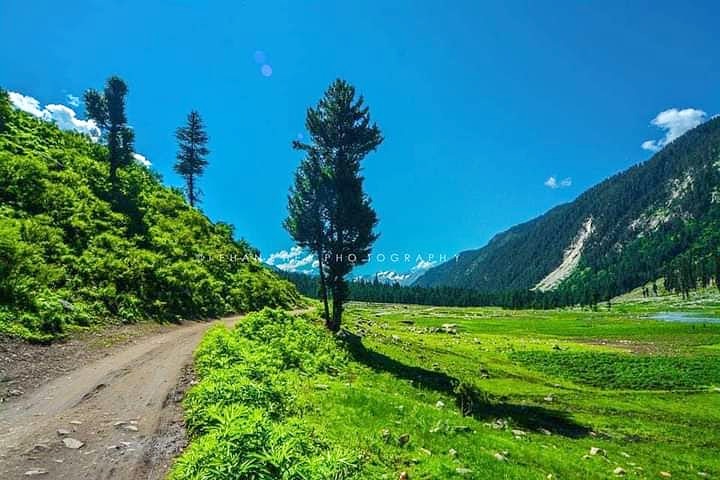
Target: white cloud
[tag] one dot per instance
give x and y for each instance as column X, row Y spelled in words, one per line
column 675, row 123
column 141, row 159
column 73, row 100
column 553, row 182
column 292, row 260
column 62, row 115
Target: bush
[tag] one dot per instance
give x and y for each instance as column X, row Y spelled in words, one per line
column 241, row 415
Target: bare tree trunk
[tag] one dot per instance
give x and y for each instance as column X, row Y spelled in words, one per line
column 323, row 286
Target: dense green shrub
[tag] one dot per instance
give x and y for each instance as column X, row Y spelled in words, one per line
column 74, row 249
column 242, row 416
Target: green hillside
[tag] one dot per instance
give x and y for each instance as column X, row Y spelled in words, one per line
column 77, row 250
column 658, row 218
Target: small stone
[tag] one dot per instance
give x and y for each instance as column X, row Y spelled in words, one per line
column 16, row 393
column 439, row 404
column 36, row 471
column 426, row 452
column 62, row 432
column 72, row 443
column 518, row 433
column 403, row 439
column 120, row 423
column 404, row 476
column 75, row 422
column 500, row 457
column 597, row 451
column 619, row 471
column 545, row 431
column 130, row 428
column 665, row 474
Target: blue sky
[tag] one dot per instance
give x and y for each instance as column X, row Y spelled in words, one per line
column 480, row 102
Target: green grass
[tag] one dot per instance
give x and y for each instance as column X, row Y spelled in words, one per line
column 622, row 371
column 511, row 395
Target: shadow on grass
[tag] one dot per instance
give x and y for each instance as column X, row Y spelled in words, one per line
column 471, row 401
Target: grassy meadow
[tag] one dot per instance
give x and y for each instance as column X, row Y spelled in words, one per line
column 434, row 392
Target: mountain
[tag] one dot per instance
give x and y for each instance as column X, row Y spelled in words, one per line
column 657, row 218
column 78, row 249
column 391, row 277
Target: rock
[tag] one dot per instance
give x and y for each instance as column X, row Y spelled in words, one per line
column 75, row 422
column 463, row 471
column 518, row 433
column 16, row 393
column 450, row 328
column 439, row 404
column 130, row 428
column 544, row 431
column 404, row 476
column 36, row 471
column 619, row 471
column 665, row 474
column 452, row 452
column 72, row 443
column 597, row 451
column 62, row 432
column 37, row 448
column 403, row 439
column 426, row 452
column 120, row 423
column 500, row 457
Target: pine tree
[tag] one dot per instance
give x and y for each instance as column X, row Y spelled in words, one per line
column 191, row 162
column 328, row 210
column 107, row 109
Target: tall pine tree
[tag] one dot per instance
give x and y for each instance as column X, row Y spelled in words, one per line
column 328, row 210
column 191, row 162
column 107, row 109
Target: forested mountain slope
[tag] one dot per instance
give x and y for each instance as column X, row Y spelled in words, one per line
column 76, row 248
column 658, row 218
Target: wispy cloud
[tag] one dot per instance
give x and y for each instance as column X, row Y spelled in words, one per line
column 675, row 123
column 293, row 260
column 554, row 183
column 62, row 115
column 73, row 100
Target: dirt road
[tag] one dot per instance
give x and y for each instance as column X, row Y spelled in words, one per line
column 123, row 408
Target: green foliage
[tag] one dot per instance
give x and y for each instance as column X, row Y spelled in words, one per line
column 5, row 109
column 242, row 415
column 74, row 250
column 107, row 109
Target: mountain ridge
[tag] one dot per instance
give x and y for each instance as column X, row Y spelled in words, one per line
column 651, row 202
